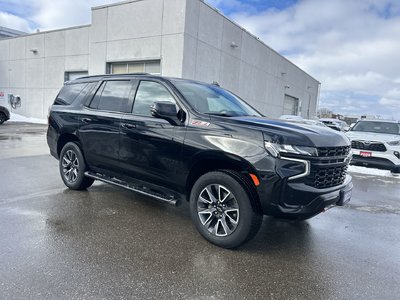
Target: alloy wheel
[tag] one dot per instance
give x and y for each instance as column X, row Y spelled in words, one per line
column 218, row 210
column 70, row 166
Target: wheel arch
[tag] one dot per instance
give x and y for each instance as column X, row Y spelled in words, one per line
column 208, row 162
column 64, row 139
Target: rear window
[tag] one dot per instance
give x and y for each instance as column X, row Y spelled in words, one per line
column 70, row 92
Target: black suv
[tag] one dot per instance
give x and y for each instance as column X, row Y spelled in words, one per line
column 178, row 140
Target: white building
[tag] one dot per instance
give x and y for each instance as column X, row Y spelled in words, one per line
column 179, row 38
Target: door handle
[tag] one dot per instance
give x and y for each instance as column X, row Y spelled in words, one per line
column 128, row 126
column 86, row 120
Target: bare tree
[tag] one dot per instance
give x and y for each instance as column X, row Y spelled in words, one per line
column 324, row 112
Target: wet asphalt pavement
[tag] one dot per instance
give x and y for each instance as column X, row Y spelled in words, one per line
column 108, row 243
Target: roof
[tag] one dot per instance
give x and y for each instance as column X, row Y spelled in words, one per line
column 120, row 76
column 6, row 32
column 134, row 75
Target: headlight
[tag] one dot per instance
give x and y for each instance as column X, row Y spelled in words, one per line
column 394, row 143
column 276, row 149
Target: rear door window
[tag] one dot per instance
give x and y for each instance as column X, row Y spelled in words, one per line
column 112, row 96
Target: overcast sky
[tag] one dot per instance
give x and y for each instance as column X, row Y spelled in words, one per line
column 351, row 47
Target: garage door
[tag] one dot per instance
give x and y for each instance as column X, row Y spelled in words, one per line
column 290, row 105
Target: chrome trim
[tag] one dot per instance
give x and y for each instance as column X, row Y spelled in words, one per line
column 306, row 164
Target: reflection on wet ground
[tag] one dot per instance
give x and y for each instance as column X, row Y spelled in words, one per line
column 110, row 243
column 12, row 135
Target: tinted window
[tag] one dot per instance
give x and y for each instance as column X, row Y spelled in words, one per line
column 148, row 93
column 112, row 96
column 96, row 99
column 69, row 93
column 86, row 90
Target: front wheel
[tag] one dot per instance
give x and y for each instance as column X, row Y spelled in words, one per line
column 72, row 167
column 221, row 210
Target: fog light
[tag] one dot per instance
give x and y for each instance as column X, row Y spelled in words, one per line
column 397, row 154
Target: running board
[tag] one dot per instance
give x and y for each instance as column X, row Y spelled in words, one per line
column 143, row 190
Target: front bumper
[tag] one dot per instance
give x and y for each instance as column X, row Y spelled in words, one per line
column 297, row 198
column 381, row 160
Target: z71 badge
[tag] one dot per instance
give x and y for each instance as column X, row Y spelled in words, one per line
column 200, row 123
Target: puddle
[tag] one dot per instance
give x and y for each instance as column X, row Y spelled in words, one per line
column 385, row 209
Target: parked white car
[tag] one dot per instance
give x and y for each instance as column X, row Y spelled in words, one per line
column 376, row 143
column 335, row 124
column 298, row 119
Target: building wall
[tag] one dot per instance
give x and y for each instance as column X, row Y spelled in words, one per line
column 37, row 75
column 191, row 39
column 127, row 31
column 250, row 68
column 138, row 30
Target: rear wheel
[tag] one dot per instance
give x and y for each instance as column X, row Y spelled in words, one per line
column 221, row 210
column 3, row 118
column 72, row 167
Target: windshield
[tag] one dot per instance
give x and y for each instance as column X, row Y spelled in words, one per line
column 213, row 100
column 377, row 127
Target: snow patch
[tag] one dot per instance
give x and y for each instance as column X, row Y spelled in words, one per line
column 18, row 118
column 371, row 171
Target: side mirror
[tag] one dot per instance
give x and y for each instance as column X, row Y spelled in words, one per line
column 167, row 111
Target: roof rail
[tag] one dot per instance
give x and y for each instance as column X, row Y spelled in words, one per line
column 114, row 75
column 137, row 73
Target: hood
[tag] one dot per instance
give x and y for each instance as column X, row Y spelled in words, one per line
column 371, row 136
column 293, row 133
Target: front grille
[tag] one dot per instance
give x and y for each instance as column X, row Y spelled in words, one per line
column 333, row 151
column 327, row 177
column 329, row 169
column 372, row 146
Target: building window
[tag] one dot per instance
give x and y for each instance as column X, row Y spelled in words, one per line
column 151, row 66
column 74, row 75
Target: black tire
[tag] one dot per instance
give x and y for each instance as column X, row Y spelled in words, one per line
column 241, row 226
column 3, row 118
column 396, row 171
column 72, row 167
